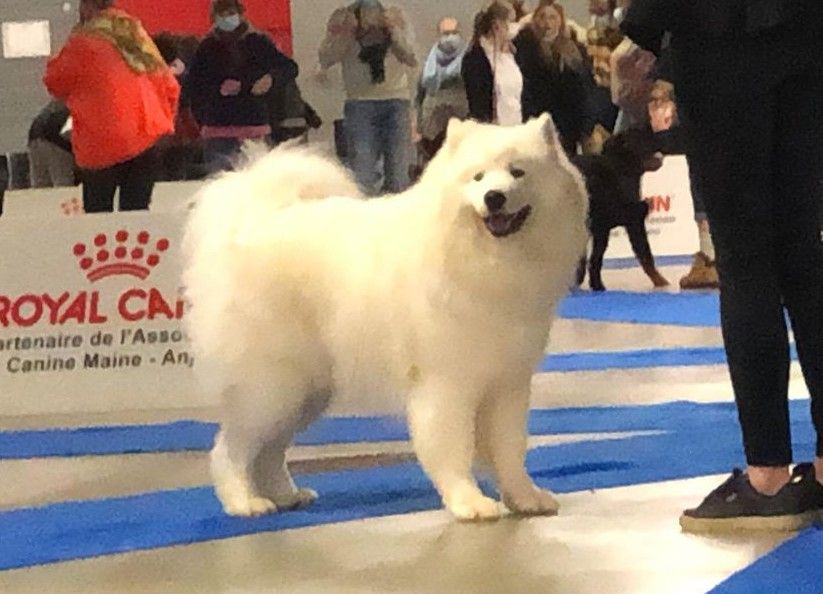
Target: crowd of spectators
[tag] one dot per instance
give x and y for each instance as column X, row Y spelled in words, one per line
column 176, row 107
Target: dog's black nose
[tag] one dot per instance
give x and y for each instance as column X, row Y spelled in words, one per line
column 495, row 200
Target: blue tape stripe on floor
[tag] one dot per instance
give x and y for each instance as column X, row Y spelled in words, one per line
column 198, row 436
column 625, row 263
column 638, row 359
column 698, row 309
column 793, row 567
column 86, row 529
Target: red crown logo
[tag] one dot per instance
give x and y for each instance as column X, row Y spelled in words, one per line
column 118, row 255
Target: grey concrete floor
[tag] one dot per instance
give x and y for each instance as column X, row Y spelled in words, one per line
column 622, row 540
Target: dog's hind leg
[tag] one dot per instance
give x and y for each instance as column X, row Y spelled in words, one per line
column 271, row 473
column 643, row 251
column 502, row 437
column 442, row 422
column 600, row 241
column 258, row 413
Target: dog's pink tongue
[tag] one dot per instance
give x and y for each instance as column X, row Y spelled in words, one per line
column 499, row 223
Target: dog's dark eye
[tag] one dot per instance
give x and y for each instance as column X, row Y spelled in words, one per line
column 479, row 176
column 517, row 173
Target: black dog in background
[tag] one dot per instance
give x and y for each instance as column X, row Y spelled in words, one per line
column 613, row 182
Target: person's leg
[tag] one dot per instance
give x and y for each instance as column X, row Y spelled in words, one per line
column 137, row 183
column 799, row 184
column 362, row 136
column 734, row 165
column 61, row 167
column 99, row 187
column 703, row 273
column 39, row 164
column 395, row 135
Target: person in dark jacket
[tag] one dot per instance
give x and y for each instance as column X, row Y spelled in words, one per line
column 556, row 79
column 749, row 80
column 51, row 163
column 179, row 152
column 229, row 82
column 494, row 83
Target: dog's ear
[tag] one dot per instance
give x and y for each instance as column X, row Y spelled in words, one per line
column 457, row 131
column 547, row 129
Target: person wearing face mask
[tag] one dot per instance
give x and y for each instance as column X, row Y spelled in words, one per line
column 373, row 45
column 122, row 98
column 442, row 93
column 556, row 79
column 229, row 80
column 494, row 83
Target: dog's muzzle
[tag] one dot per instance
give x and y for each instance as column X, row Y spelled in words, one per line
column 502, row 224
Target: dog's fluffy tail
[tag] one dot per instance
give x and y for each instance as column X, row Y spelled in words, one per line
column 237, row 207
column 236, row 203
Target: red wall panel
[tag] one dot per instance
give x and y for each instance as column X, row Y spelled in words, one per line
column 192, row 17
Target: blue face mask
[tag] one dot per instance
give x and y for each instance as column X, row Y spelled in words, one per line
column 450, row 43
column 228, row 23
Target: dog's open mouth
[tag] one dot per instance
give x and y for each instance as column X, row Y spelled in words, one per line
column 501, row 224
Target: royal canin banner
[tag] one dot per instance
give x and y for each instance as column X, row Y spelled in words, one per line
column 62, row 202
column 91, row 315
column 191, row 17
column 670, row 224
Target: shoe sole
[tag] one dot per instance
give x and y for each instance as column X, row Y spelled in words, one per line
column 793, row 523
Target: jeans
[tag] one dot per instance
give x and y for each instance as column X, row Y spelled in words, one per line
column 758, row 162
column 379, row 131
column 134, row 177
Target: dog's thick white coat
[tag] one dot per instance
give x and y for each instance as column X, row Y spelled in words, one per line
column 301, row 290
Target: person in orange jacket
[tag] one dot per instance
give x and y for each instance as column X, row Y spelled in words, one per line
column 123, row 99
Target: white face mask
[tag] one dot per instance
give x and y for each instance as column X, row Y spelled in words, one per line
column 228, row 23
column 450, row 43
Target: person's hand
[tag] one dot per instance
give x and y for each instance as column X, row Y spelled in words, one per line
column 178, row 67
column 661, row 115
column 262, row 86
column 230, row 87
column 342, row 21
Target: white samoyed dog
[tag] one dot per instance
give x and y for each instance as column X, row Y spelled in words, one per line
column 302, row 290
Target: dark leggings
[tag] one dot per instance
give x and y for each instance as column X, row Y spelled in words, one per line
column 134, row 177
column 759, row 163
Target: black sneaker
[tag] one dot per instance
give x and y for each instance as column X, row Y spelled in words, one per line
column 736, row 506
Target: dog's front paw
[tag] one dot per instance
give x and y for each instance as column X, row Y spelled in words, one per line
column 597, row 286
column 297, row 500
column 531, row 501
column 472, row 507
column 249, row 507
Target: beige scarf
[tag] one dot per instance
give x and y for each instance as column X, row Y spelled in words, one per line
column 127, row 35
